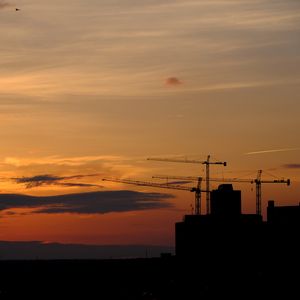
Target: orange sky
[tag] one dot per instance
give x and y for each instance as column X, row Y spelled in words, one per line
column 96, row 87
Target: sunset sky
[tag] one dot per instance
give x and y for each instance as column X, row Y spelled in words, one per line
column 91, row 88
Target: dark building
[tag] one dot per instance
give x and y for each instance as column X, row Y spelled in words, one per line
column 283, row 215
column 226, row 202
column 283, row 224
column 226, row 233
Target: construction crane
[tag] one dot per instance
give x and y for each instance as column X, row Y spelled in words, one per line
column 207, row 163
column 197, row 189
column 258, row 181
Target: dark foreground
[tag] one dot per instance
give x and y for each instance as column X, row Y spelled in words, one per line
column 153, row 278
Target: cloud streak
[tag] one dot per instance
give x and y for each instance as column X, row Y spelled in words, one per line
column 4, row 4
column 60, row 161
column 206, row 26
column 86, row 203
column 272, row 151
column 46, row 179
column 173, row 81
column 291, row 166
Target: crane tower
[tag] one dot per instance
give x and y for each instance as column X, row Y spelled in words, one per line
column 207, row 164
column 258, row 182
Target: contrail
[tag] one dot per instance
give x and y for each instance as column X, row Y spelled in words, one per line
column 4, row 4
column 272, row 151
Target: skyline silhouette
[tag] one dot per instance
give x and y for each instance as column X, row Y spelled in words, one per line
column 224, row 253
column 226, row 207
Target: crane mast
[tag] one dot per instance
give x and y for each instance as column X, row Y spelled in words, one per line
column 197, row 191
column 207, row 163
column 258, row 192
column 258, row 182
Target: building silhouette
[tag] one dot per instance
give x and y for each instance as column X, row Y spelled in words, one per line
column 283, row 215
column 225, row 254
column 226, row 235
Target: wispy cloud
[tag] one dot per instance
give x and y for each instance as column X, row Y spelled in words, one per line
column 64, row 171
column 61, row 161
column 87, row 203
column 292, row 166
column 272, row 151
column 173, row 81
column 199, row 27
column 246, row 84
column 46, row 179
column 4, row 4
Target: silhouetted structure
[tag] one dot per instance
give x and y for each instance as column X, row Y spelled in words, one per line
column 233, row 255
column 283, row 215
column 225, row 202
column 226, row 234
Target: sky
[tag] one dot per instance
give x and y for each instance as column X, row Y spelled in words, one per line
column 91, row 89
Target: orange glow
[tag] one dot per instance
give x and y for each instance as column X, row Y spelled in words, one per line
column 95, row 94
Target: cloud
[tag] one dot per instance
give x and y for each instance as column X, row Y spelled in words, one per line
column 39, row 180
column 29, row 172
column 86, row 203
column 292, row 166
column 60, row 161
column 4, row 4
column 173, row 81
column 272, row 151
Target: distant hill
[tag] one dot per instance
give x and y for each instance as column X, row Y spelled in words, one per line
column 40, row 250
